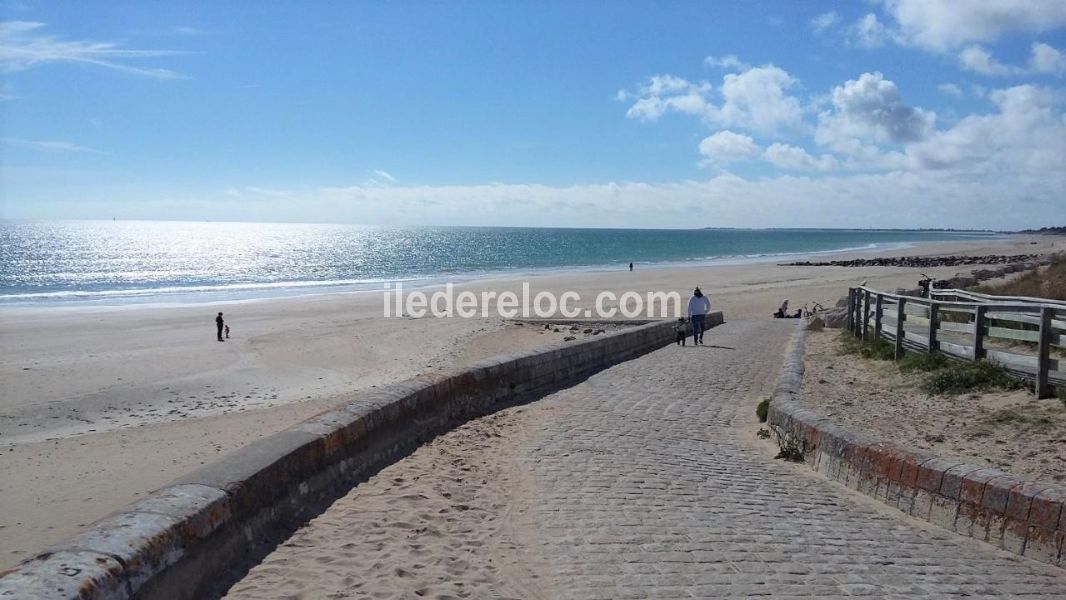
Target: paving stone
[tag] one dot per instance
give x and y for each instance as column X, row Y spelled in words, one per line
column 660, row 444
column 646, row 481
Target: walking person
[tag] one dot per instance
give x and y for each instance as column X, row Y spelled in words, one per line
column 219, row 323
column 698, row 307
column 630, row 267
column 681, row 328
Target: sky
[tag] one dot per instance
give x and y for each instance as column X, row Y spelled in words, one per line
column 873, row 113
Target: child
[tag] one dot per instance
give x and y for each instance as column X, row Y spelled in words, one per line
column 681, row 327
column 227, row 332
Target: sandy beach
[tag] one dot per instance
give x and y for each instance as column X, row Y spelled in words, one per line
column 101, row 405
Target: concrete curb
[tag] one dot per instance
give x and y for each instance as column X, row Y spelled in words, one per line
column 989, row 505
column 186, row 540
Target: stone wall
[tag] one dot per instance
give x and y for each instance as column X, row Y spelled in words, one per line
column 192, row 538
column 989, row 505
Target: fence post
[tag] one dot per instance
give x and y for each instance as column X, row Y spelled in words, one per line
column 978, row 328
column 851, row 309
column 878, row 311
column 934, row 323
column 865, row 314
column 901, row 305
column 858, row 312
column 1043, row 364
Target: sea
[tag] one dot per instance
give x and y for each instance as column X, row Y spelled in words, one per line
column 117, row 262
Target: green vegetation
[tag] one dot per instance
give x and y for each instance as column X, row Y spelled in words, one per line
column 963, row 377
column 789, row 451
column 1047, row 282
column 922, row 361
column 762, row 410
column 944, row 376
column 876, row 349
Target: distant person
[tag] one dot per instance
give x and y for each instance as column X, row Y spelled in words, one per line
column 784, row 308
column 681, row 327
column 227, row 332
column 220, row 323
column 698, row 307
column 630, row 267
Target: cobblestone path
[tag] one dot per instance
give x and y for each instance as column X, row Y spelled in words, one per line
column 645, row 481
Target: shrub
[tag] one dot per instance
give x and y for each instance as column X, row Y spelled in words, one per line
column 870, row 348
column 762, row 410
column 958, row 378
column 789, row 451
column 922, row 361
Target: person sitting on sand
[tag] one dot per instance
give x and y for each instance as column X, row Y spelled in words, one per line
column 219, row 323
column 698, row 307
column 681, row 327
column 784, row 308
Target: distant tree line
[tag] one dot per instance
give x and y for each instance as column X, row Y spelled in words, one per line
column 1047, row 230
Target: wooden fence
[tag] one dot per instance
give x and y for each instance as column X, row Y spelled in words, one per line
column 1017, row 333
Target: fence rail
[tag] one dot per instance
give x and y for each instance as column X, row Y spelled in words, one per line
column 1017, row 333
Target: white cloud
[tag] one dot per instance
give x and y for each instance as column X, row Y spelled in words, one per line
column 868, row 32
column 1025, row 139
column 824, row 21
column 895, row 199
column 757, row 99
column 1043, row 60
column 1012, row 157
column 868, row 112
column 950, row 89
column 379, row 178
column 1046, row 59
column 727, row 146
column 384, row 175
column 977, row 59
column 50, row 146
column 23, row 46
column 792, row 158
column 664, row 93
column 729, row 61
column 943, row 25
column 186, row 30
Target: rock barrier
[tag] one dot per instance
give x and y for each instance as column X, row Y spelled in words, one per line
column 924, row 261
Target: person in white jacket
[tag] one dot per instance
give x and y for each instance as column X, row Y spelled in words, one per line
column 698, row 307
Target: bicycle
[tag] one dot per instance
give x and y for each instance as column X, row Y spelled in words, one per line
column 815, row 309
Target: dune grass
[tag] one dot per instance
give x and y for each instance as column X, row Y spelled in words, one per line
column 1045, row 282
column 876, row 349
column 942, row 376
column 966, row 377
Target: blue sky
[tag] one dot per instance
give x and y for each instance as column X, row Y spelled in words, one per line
column 895, row 113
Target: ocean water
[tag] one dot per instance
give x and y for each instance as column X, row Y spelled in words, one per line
column 128, row 261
